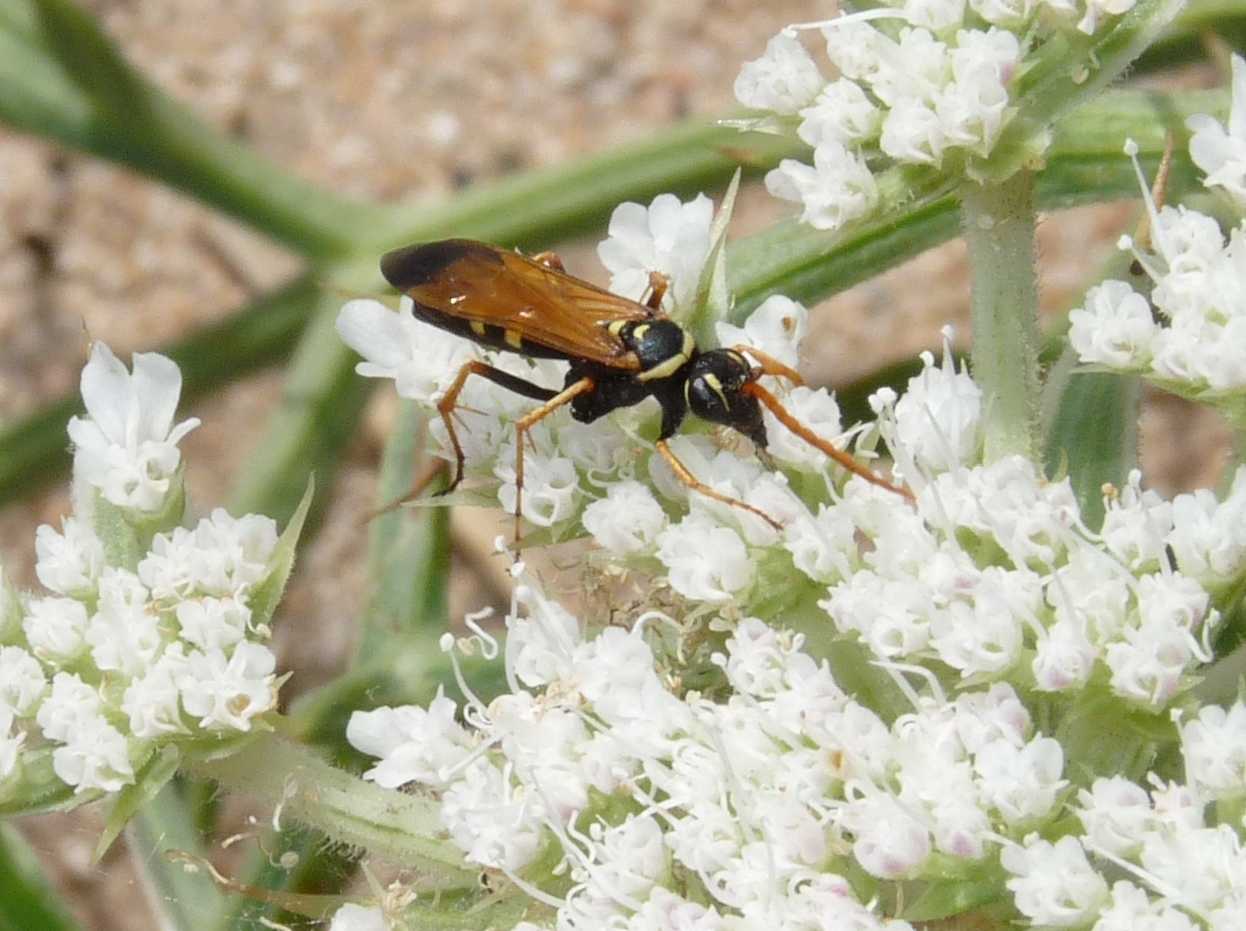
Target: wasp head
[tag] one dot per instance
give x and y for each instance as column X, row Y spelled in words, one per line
column 715, row 392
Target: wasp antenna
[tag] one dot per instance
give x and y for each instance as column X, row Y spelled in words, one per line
column 769, row 365
column 843, row 458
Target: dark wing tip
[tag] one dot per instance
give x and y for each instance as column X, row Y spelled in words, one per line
column 415, row 265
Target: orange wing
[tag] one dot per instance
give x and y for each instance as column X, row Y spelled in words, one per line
column 458, row 281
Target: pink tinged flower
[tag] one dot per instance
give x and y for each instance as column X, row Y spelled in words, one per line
column 421, row 359
column 1064, row 657
column 1021, row 783
column 226, row 693
column 126, row 446
column 627, row 520
column 413, row 744
column 784, row 79
column 70, row 704
column 68, row 562
column 669, row 236
column 22, row 681
column 351, row 917
column 704, row 560
column 842, row 113
column 837, row 189
column 1149, row 665
column 983, row 717
column 55, row 628
column 938, row 416
column 1136, row 525
column 1219, row 150
column 1054, row 884
column 1116, row 814
column 1214, row 746
column 95, row 756
column 889, row 842
column 153, row 701
column 1114, row 327
column 665, row 911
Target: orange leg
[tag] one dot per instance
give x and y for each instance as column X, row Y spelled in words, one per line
column 427, row 476
column 845, row 460
column 658, row 283
column 682, row 473
column 550, row 259
column 529, row 420
column 449, row 401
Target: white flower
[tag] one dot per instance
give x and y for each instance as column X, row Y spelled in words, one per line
column 837, row 189
column 95, row 756
column 784, row 79
column 1064, row 657
column 550, row 486
column 1115, row 813
column 1208, row 536
column 1136, row 525
column 213, row 623
column 1113, row 327
column 153, row 702
column 890, row 843
column 627, row 520
column 1218, row 150
column 1131, row 909
column 228, row 693
column 1206, row 865
column 938, row 416
column 412, row 744
column 10, row 744
column 1053, row 884
column 668, row 237
column 1214, row 745
column 124, row 633
column 351, row 917
column 705, row 561
column 492, row 822
column 127, row 445
column 841, row 113
column 1089, row 22
column 222, row 555
column 22, row 682
column 68, row 562
column 777, row 327
column 55, row 628
column 1022, row 784
column 421, row 359
column 70, row 703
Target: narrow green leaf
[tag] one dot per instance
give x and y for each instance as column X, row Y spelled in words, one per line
column 92, row 62
column 27, row 900
column 165, row 825
column 149, row 780
column 713, row 297
column 408, row 553
column 266, row 595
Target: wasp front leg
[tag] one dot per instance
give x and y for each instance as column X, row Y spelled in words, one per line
column 658, row 286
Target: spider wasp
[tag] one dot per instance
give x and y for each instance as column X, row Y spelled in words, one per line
column 620, row 352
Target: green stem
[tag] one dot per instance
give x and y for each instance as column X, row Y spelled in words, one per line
column 998, row 223
column 405, row 829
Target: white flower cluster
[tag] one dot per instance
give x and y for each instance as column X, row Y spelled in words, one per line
column 917, row 81
column 137, row 640
column 1192, row 342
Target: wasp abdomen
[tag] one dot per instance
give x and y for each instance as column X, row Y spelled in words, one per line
column 423, row 263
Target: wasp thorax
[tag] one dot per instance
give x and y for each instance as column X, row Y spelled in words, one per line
column 662, row 346
column 714, row 390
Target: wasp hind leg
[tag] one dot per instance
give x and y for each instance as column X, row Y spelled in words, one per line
column 449, row 402
column 531, row 419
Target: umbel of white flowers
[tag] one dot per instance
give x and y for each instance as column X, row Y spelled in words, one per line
column 146, row 632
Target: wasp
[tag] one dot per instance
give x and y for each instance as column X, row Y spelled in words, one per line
column 619, row 352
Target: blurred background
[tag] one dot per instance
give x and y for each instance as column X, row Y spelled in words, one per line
column 410, row 102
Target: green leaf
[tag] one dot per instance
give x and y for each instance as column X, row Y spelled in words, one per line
column 713, row 298
column 27, row 900
column 38, row 789
column 91, row 61
column 408, row 552
column 121, row 543
column 149, row 780
column 267, row 593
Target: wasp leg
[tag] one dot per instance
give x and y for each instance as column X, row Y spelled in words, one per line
column 426, row 477
column 843, row 458
column 769, row 365
column 658, row 283
column 682, row 473
column 449, row 402
column 550, row 259
column 530, row 419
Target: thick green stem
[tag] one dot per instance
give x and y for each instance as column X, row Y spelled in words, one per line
column 300, row 785
column 998, row 222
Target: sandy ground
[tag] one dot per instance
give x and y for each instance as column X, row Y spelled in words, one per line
column 403, row 99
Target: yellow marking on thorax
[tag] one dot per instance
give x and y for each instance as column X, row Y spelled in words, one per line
column 671, row 365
